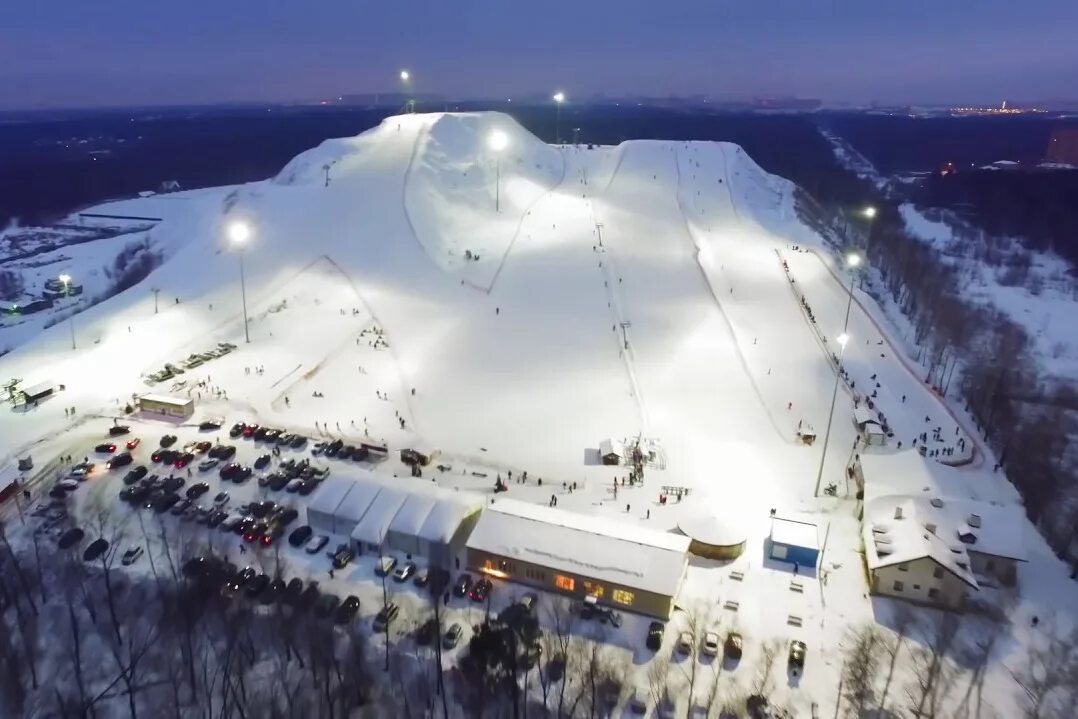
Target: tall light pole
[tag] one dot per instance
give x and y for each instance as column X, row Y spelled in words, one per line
column 559, row 98
column 65, row 279
column 238, row 234
column 497, row 142
column 853, row 260
column 406, row 81
column 869, row 213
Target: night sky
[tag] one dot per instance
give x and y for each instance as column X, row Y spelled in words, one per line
column 64, row 53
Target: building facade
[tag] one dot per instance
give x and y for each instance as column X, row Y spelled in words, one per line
column 923, row 581
column 168, row 405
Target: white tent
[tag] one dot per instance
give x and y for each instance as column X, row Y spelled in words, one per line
column 322, row 508
column 406, row 523
column 370, row 532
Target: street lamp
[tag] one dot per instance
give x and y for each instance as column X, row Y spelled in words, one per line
column 559, row 98
column 239, row 232
column 497, row 142
column 853, row 260
column 65, row 280
column 406, row 81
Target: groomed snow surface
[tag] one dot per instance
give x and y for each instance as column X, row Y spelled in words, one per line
column 618, row 291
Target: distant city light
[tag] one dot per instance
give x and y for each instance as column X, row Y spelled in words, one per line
column 559, row 97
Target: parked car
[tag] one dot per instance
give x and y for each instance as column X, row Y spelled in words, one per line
column 422, row 577
column 684, row 642
column 131, row 556
column 293, row 486
column 120, row 460
column 796, row 658
column 197, row 490
column 385, row 617
column 95, row 549
column 257, row 586
column 404, row 571
column 105, row 448
column 262, row 461
column 135, row 474
column 300, row 535
column 211, row 424
column 249, row 430
column 326, row 605
column 731, row 648
column 314, row 546
column 452, row 636
column 292, row 591
column 168, row 440
column 118, row 429
column 183, row 459
column 709, row 647
column 180, row 507
column 480, row 590
column 309, row 597
column 655, row 635
column 384, row 566
column 133, row 443
column 464, row 583
column 342, row 558
column 346, row 612
column 207, row 464
column 81, row 471
column 237, row 430
column 221, row 499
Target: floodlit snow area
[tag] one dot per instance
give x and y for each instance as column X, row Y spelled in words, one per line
column 656, row 289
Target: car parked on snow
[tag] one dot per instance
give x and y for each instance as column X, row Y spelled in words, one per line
column 314, row 546
column 131, row 556
column 385, row 617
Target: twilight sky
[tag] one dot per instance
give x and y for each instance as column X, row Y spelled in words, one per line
column 65, row 53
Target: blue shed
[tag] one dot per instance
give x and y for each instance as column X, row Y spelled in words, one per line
column 794, row 541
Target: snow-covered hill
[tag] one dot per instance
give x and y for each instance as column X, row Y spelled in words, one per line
column 618, row 291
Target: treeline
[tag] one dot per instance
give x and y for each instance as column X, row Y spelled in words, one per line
column 971, row 350
column 1041, row 207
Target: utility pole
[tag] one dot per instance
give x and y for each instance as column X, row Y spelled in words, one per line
column 624, row 335
column 599, row 229
column 326, row 168
column 155, row 292
column 576, row 135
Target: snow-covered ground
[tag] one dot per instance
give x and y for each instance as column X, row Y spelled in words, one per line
column 627, row 290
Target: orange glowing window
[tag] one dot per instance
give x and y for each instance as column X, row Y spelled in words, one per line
column 622, row 596
column 594, row 590
column 566, row 583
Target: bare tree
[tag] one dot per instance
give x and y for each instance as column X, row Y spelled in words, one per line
column 1049, row 674
column 861, row 668
column 903, row 620
column 765, row 668
column 931, row 669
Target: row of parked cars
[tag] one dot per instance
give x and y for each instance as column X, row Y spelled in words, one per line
column 270, row 435
column 195, row 359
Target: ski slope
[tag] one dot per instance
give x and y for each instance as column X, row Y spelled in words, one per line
column 636, row 290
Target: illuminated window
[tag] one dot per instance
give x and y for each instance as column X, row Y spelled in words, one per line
column 566, row 583
column 623, row 596
column 594, row 590
column 488, row 564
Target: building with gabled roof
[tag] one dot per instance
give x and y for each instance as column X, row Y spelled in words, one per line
column 926, row 542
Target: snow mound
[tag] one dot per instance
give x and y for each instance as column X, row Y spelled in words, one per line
column 456, row 180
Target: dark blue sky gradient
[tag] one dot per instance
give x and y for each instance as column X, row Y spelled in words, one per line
column 62, row 53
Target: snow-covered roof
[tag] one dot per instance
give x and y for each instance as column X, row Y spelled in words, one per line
column 410, row 517
column 165, row 399
column 354, row 505
column 704, row 525
column 328, row 496
column 794, row 533
column 372, row 528
column 937, row 505
column 862, row 414
column 446, row 516
column 586, row 545
column 611, row 446
column 890, row 540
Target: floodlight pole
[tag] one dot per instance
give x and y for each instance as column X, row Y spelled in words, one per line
column 834, row 392
column 243, row 295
